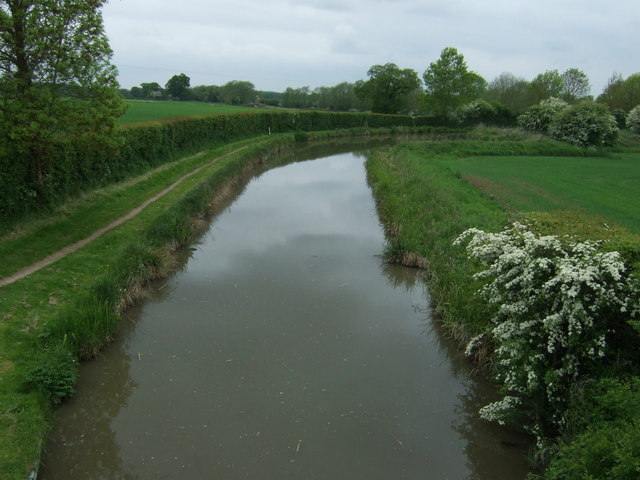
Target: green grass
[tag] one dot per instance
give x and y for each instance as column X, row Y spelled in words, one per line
column 603, row 186
column 147, row 110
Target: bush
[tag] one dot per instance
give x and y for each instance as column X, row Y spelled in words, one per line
column 633, row 119
column 621, row 118
column 555, row 305
column 538, row 117
column 586, row 124
column 52, row 373
column 473, row 113
column 608, row 445
column 482, row 112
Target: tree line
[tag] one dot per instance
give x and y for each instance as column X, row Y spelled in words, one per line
column 178, row 87
column 446, row 85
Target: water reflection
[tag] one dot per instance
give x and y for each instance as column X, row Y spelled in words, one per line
column 284, row 349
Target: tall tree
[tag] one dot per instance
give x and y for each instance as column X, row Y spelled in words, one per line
column 575, row 85
column 388, row 88
column 449, row 83
column 621, row 93
column 151, row 90
column 178, row 86
column 56, row 79
column 238, row 92
column 509, row 90
column 545, row 85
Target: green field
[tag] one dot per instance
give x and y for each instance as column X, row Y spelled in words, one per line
column 605, row 186
column 145, row 110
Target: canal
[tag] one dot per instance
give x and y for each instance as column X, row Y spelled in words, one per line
column 284, row 348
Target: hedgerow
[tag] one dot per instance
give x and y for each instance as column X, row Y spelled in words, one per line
column 77, row 165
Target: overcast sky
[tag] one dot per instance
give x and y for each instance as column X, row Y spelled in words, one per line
column 277, row 44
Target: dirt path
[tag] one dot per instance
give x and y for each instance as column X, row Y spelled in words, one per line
column 63, row 252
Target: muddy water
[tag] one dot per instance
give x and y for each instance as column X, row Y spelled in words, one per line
column 285, row 348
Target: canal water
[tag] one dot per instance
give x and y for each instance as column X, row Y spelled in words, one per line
column 284, row 349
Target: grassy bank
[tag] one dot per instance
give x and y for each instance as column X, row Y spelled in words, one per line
column 427, row 194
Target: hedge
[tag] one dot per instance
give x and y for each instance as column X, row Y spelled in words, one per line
column 77, row 165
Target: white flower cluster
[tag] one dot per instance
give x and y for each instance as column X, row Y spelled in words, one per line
column 554, row 301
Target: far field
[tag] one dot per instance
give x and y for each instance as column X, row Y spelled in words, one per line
column 145, row 110
column 605, row 186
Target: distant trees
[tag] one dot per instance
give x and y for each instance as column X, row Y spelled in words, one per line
column 151, row 90
column 388, row 89
column 177, row 86
column 238, row 92
column 341, row 97
column 508, row 90
column 621, row 93
column 450, row 84
column 205, row 93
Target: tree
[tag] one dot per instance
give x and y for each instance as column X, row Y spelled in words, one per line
column 178, row 86
column 205, row 93
column 238, row 92
column 545, row 85
column 575, row 85
column 449, row 83
column 296, row 97
column 151, row 90
column 388, row 87
column 508, row 90
column 56, row 82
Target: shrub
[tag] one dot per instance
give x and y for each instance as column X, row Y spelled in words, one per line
column 609, row 442
column 538, row 117
column 586, row 124
column 633, row 119
column 52, row 373
column 475, row 112
column 621, row 118
column 554, row 306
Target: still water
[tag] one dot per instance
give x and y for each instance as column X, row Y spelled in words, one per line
column 284, row 349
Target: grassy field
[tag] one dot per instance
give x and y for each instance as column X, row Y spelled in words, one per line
column 145, row 110
column 605, row 186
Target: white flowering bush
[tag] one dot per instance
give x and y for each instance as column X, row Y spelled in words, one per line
column 586, row 124
column 633, row 119
column 475, row 112
column 538, row 117
column 554, row 306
